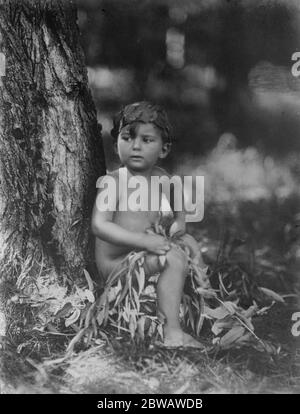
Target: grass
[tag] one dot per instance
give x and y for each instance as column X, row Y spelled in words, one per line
column 124, row 365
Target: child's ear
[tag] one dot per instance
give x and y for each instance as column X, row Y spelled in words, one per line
column 166, row 148
column 116, row 148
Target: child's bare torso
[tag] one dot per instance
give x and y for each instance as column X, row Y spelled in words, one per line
column 108, row 255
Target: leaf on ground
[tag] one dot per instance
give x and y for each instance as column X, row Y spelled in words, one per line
column 89, row 295
column 141, row 279
column 162, row 261
column 264, row 346
column 231, row 307
column 136, row 299
column 247, row 321
column 219, row 325
column 199, row 325
column 252, row 310
column 132, row 325
column 201, row 276
column 113, row 292
column 264, row 310
column 247, row 338
column 273, row 295
column 206, row 293
column 72, row 318
column 141, row 326
column 64, row 311
column 52, row 328
column 150, row 291
column 100, row 316
column 190, row 313
column 231, row 336
column 89, row 280
column 217, row 313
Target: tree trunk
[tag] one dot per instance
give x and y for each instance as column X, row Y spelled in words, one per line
column 50, row 142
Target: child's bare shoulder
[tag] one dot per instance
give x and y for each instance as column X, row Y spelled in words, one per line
column 115, row 174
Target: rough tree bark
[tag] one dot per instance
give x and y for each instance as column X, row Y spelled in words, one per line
column 50, row 142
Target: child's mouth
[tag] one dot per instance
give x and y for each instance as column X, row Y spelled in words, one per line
column 136, row 157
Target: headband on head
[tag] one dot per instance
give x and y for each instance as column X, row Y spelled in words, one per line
column 142, row 112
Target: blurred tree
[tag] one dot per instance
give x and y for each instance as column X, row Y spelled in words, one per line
column 120, row 34
column 50, row 141
column 226, row 38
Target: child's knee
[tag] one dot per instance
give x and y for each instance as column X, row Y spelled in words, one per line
column 175, row 259
column 193, row 247
column 190, row 241
column 151, row 264
column 178, row 260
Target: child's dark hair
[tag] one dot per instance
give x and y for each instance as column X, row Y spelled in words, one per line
column 145, row 112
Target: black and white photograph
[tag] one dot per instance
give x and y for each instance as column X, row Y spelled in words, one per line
column 149, row 199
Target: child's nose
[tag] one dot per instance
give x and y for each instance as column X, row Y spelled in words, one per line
column 137, row 143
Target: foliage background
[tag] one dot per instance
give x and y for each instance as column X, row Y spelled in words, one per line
column 217, row 66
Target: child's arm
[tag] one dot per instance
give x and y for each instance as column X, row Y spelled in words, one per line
column 178, row 226
column 102, row 226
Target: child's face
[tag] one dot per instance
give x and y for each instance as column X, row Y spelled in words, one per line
column 140, row 146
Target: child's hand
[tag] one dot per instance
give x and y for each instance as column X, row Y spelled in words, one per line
column 177, row 229
column 156, row 244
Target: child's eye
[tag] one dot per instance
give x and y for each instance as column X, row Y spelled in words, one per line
column 147, row 140
column 126, row 137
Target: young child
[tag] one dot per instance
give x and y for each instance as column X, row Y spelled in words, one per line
column 142, row 137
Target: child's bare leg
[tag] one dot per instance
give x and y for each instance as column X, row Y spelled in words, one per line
column 170, row 287
column 169, row 292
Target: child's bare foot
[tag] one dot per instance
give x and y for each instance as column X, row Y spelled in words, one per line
column 177, row 339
